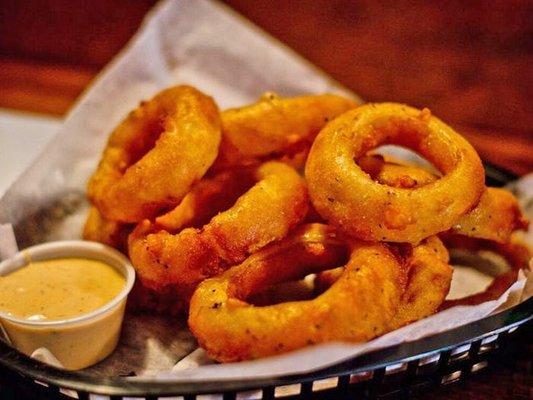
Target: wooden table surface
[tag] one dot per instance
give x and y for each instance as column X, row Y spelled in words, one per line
column 469, row 62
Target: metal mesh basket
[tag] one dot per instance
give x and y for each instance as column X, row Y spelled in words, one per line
column 395, row 372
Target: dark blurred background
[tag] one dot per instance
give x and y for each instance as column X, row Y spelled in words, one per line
column 469, row 61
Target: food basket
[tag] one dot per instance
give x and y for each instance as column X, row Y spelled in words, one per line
column 394, row 372
column 203, row 44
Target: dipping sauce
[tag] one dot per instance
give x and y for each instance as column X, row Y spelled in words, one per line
column 58, row 289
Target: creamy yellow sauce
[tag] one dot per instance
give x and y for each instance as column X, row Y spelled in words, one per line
column 59, row 288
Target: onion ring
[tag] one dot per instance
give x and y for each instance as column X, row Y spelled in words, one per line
column 428, row 281
column 346, row 196
column 356, row 308
column 178, row 262
column 156, row 154
column 276, row 127
column 494, row 218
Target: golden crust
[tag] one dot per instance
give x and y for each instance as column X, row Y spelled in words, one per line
column 356, row 308
column 346, row 196
column 428, row 281
column 495, row 217
column 156, row 154
column 265, row 213
column 276, row 128
column 207, row 198
column 231, row 204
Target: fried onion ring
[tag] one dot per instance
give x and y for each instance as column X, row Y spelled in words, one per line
column 346, row 196
column 178, row 262
column 276, row 127
column 358, row 307
column 428, row 281
column 494, row 218
column 156, row 154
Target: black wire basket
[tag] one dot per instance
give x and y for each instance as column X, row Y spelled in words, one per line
column 400, row 371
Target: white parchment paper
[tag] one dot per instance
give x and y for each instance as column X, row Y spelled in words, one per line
column 203, row 44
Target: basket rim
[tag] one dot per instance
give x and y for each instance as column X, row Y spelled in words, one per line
column 13, row 360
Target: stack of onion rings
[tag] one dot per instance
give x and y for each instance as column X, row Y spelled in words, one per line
column 180, row 260
column 211, row 210
column 356, row 308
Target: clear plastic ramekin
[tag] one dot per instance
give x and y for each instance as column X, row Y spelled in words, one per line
column 80, row 341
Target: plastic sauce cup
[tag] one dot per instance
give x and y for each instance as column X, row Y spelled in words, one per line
column 80, row 341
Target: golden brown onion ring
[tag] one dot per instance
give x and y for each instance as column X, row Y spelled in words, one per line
column 358, row 306
column 276, row 127
column 346, row 196
column 428, row 281
column 206, row 199
column 494, row 218
column 112, row 233
column 177, row 262
column 156, row 154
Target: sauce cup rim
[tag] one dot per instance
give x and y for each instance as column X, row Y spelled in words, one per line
column 70, row 247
